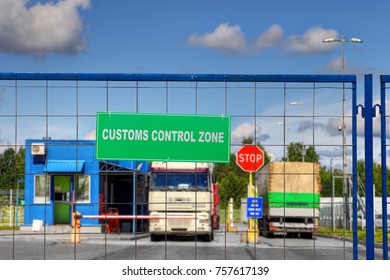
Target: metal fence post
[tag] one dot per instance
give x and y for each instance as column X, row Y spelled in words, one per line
column 384, row 170
column 369, row 161
column 10, row 207
column 354, row 173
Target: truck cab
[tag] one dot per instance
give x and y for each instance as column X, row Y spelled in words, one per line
column 182, row 200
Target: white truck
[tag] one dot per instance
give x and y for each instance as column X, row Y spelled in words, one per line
column 183, row 200
column 291, row 198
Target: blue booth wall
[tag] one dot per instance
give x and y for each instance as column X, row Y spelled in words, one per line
column 81, row 151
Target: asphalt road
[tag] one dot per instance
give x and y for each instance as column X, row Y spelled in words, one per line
column 226, row 246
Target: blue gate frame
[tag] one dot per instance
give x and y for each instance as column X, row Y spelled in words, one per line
column 349, row 79
column 384, row 79
column 369, row 112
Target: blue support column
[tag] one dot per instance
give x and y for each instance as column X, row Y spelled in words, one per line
column 368, row 146
column 134, row 201
column 384, row 171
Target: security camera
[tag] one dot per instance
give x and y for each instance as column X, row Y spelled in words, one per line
column 340, row 128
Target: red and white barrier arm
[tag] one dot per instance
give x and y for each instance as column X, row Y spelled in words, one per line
column 137, row 217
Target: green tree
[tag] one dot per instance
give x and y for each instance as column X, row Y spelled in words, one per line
column 11, row 168
column 326, row 182
column 311, row 155
column 296, row 152
column 361, row 170
column 327, row 178
column 377, row 172
column 337, row 177
column 247, row 140
column 377, row 178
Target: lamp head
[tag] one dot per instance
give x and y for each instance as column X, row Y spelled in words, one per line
column 356, row 40
column 329, row 40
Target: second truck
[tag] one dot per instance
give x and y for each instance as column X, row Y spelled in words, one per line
column 183, row 200
column 291, row 197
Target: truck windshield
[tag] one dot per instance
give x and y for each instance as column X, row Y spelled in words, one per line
column 180, row 181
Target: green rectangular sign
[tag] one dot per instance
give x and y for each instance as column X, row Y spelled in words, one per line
column 162, row 137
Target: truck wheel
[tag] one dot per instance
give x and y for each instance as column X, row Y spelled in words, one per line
column 208, row 237
column 260, row 226
column 307, row 235
column 218, row 224
column 292, row 234
column 154, row 237
column 267, row 233
column 265, row 229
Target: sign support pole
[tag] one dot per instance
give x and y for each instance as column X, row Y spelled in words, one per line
column 249, row 195
column 252, row 234
column 250, row 158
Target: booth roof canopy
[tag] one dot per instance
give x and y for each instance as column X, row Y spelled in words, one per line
column 64, row 166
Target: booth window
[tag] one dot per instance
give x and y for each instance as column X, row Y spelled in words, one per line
column 42, row 189
column 83, row 188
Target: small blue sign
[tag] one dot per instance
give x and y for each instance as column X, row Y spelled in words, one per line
column 254, row 207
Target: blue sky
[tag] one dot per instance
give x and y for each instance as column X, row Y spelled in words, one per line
column 233, row 37
column 192, row 36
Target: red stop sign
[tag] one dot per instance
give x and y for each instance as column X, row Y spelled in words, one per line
column 250, row 158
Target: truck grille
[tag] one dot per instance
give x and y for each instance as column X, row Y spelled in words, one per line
column 179, row 199
column 179, row 223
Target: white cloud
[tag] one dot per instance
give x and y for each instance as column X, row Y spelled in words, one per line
column 248, row 130
column 42, row 28
column 335, row 152
column 334, row 126
column 335, row 66
column 311, row 41
column 270, row 38
column 90, row 135
column 230, row 39
column 226, row 38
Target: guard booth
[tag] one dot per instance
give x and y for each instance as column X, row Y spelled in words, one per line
column 63, row 176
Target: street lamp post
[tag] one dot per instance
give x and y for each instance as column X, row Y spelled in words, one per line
column 344, row 130
column 332, row 196
column 295, row 103
column 342, row 41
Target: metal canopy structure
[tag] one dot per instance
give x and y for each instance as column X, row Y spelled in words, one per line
column 109, row 167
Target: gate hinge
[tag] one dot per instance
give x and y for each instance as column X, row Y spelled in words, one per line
column 363, row 110
column 374, row 110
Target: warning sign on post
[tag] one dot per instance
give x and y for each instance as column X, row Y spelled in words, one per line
column 254, row 207
column 250, row 158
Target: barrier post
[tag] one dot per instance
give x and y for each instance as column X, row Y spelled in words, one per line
column 76, row 225
column 252, row 234
column 229, row 218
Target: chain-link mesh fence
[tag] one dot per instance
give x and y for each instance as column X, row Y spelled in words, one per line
column 293, row 118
